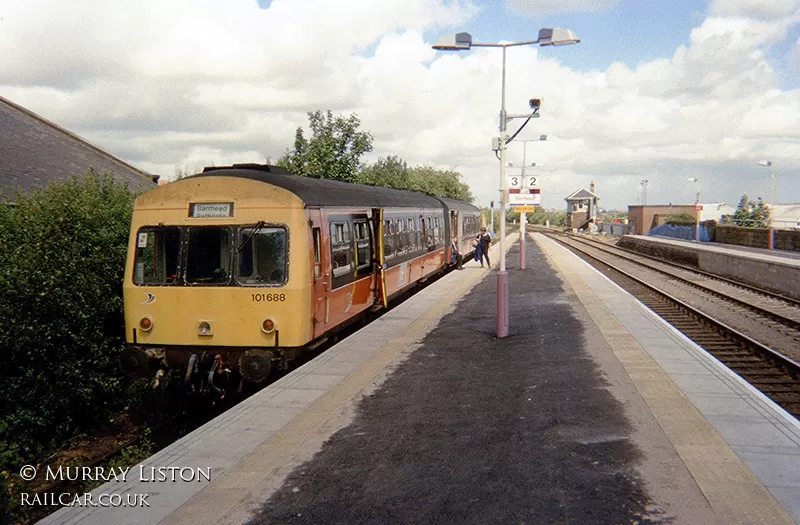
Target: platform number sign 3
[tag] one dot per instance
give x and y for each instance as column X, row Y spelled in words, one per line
column 514, row 182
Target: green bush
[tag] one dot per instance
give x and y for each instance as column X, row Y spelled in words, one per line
column 62, row 258
column 681, row 219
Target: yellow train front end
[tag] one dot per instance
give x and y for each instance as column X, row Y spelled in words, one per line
column 217, row 282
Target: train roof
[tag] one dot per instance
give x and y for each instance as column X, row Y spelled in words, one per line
column 454, row 204
column 326, row 192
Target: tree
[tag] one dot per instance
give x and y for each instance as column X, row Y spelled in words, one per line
column 333, row 151
column 62, row 260
column 390, row 171
column 750, row 213
column 393, row 172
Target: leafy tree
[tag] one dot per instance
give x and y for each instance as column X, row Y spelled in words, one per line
column 393, row 172
column 751, row 213
column 333, row 151
column 62, row 259
column 390, row 171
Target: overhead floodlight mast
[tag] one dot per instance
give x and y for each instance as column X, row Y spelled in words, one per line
column 461, row 42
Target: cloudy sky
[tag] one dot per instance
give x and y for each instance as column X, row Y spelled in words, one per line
column 657, row 91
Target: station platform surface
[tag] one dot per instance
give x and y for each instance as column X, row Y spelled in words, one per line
column 593, row 410
column 776, row 256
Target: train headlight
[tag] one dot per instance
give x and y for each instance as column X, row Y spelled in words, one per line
column 204, row 328
column 268, row 326
column 145, row 324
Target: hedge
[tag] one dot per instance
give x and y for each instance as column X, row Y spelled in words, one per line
column 62, row 258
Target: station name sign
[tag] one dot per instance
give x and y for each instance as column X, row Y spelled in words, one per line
column 210, row 209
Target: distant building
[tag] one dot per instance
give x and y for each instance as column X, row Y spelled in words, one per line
column 35, row 152
column 786, row 216
column 582, row 208
column 642, row 219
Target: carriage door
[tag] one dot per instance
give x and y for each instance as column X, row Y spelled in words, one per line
column 321, row 272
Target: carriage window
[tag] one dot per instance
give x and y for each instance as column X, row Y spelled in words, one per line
column 340, row 249
column 208, row 256
column 361, row 230
column 400, row 238
column 388, row 238
column 317, row 252
column 262, row 256
column 412, row 235
column 157, row 251
column 430, row 233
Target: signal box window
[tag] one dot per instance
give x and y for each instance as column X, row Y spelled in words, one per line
column 208, row 258
column 262, row 256
column 157, row 252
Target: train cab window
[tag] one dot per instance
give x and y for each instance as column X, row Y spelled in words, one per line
column 208, row 257
column 341, row 248
column 262, row 256
column 388, row 239
column 363, row 248
column 157, row 253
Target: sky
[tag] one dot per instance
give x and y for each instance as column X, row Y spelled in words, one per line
column 655, row 91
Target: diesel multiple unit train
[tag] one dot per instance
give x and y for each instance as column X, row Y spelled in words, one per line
column 236, row 269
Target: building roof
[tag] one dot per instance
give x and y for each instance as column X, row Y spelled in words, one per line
column 325, row 192
column 35, row 152
column 582, row 194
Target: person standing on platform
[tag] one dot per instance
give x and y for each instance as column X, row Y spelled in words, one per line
column 484, row 241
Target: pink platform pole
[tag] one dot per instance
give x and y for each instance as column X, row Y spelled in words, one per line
column 502, row 304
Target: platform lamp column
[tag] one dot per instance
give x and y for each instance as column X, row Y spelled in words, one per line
column 696, row 209
column 523, row 218
column 463, row 42
column 771, row 229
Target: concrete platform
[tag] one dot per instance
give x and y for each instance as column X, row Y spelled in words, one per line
column 666, row 428
column 776, row 270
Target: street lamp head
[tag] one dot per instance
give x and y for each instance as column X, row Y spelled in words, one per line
column 766, row 163
column 542, row 137
column 457, row 42
column 534, row 103
column 557, row 37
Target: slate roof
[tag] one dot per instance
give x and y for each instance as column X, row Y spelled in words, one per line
column 325, row 192
column 35, row 152
column 581, row 194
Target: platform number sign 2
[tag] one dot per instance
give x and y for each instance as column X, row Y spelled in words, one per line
column 531, row 182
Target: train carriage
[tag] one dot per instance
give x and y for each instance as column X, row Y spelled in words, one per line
column 237, row 268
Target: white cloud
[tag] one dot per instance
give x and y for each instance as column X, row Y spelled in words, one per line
column 193, row 83
column 760, row 9
column 558, row 6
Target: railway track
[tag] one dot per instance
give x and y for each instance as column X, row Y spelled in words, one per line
column 753, row 332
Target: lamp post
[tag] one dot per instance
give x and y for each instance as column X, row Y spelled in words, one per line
column 697, row 209
column 771, row 232
column 463, row 42
column 523, row 219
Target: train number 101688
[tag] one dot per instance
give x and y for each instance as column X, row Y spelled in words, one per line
column 268, row 297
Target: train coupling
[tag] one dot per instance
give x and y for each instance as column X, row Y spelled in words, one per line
column 135, row 361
